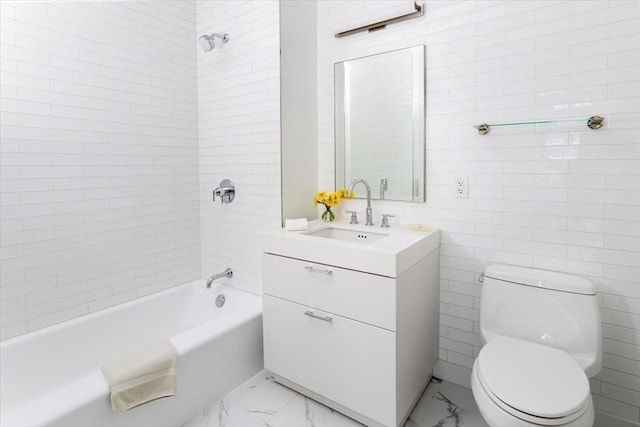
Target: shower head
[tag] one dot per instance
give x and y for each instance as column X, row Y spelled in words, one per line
column 208, row 41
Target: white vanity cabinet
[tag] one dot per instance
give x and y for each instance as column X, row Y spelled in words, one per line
column 364, row 344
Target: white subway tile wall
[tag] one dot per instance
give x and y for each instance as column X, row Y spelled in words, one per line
column 99, row 197
column 239, row 125
column 559, row 196
column 104, row 105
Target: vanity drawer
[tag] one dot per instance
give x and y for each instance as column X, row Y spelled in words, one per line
column 346, row 361
column 361, row 296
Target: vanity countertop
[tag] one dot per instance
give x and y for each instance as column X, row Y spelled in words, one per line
column 389, row 255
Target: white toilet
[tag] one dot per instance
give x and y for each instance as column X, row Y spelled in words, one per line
column 542, row 338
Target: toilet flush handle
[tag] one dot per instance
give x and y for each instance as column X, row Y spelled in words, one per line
column 481, row 278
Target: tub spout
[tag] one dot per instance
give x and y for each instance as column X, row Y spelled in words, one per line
column 226, row 273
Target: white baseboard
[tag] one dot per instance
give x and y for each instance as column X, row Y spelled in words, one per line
column 605, row 419
column 452, row 373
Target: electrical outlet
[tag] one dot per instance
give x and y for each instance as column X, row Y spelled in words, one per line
column 462, row 187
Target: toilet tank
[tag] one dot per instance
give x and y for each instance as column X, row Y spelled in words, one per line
column 549, row 308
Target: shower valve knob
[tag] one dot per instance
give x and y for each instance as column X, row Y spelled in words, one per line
column 226, row 191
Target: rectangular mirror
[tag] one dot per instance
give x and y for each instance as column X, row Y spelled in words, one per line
column 379, row 123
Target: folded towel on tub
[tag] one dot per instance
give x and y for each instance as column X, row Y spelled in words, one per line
column 142, row 376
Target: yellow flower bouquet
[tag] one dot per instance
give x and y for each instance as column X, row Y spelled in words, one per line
column 329, row 200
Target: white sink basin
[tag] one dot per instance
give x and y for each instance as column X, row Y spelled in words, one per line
column 347, row 235
column 387, row 252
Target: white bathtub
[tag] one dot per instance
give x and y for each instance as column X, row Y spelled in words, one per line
column 53, row 377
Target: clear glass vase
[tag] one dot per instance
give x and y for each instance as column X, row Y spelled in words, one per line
column 328, row 215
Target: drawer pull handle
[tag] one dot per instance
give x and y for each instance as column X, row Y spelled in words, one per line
column 315, row 316
column 313, row 269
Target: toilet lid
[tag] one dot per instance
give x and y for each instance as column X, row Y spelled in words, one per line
column 534, row 379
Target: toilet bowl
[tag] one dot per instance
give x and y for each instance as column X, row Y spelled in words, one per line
column 518, row 383
column 542, row 335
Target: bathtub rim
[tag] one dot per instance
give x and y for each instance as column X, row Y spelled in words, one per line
column 216, row 288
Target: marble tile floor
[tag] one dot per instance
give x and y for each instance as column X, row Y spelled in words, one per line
column 262, row 402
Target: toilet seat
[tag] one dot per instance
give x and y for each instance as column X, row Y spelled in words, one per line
column 532, row 382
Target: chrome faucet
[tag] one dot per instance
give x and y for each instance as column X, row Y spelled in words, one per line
column 226, row 273
column 369, row 211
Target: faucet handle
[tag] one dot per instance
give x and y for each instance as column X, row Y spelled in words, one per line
column 226, row 191
column 385, row 220
column 354, row 217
